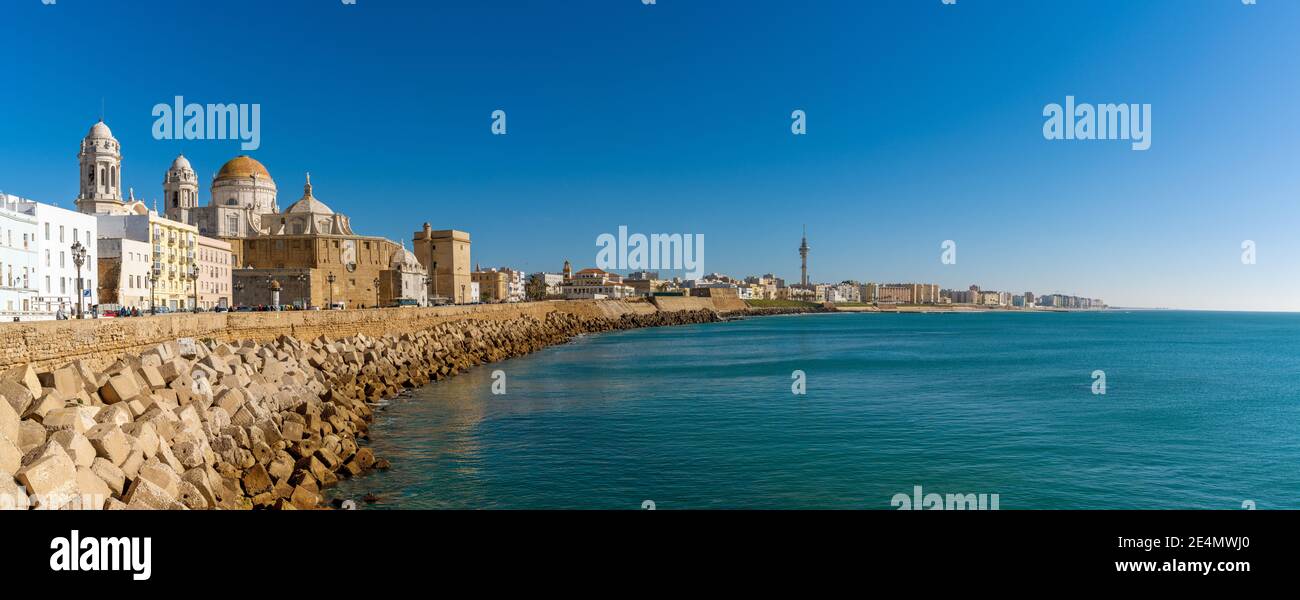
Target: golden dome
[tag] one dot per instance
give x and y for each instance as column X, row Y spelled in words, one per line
column 243, row 167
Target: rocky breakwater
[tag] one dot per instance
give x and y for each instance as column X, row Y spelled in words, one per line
column 193, row 424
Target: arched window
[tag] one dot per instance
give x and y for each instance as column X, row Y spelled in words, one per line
column 176, row 199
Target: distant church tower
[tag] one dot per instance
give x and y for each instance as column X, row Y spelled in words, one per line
column 101, row 161
column 181, row 190
column 568, row 271
column 803, row 254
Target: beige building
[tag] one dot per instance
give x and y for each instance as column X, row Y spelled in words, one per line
column 214, row 261
column 309, row 256
column 124, row 268
column 901, row 293
column 596, row 284
column 446, row 253
column 493, row 285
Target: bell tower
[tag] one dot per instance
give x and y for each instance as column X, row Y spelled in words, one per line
column 181, row 190
column 101, row 162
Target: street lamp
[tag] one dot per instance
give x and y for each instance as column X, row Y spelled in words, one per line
column 194, row 285
column 428, row 301
column 331, row 279
column 376, row 292
column 301, row 278
column 78, row 258
column 238, row 286
column 154, row 273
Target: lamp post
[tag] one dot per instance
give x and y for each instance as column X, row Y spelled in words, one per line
column 301, row 278
column 331, row 279
column 153, row 286
column 429, row 300
column 78, row 259
column 376, row 292
column 238, row 286
column 194, row 286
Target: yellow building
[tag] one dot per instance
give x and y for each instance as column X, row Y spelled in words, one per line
column 173, row 248
column 493, row 285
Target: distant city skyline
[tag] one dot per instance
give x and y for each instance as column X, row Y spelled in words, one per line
column 924, row 124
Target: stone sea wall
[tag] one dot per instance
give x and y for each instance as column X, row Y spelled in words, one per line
column 101, row 341
column 244, row 410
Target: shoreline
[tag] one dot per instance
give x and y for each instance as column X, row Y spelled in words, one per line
column 208, row 424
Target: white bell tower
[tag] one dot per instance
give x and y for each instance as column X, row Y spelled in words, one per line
column 181, row 190
column 101, row 163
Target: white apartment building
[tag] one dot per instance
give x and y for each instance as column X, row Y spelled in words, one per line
column 56, row 281
column 515, row 281
column 552, row 281
column 17, row 260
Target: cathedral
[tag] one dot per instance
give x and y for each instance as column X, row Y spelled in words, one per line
column 306, row 255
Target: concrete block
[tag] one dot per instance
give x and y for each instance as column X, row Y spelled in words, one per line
column 75, row 418
column 92, row 492
column 120, row 387
column 162, row 476
column 112, row 476
column 67, row 380
column 30, row 435
column 9, row 422
column 11, row 456
column 144, row 494
column 131, row 466
column 256, row 480
column 230, row 399
column 152, row 377
column 25, row 376
column 145, row 436
column 12, row 496
column 190, row 495
column 77, row 446
column 303, row 498
column 51, row 479
column 110, row 442
column 24, row 402
column 118, row 414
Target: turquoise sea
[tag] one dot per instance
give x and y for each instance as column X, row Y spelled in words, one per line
column 1202, row 410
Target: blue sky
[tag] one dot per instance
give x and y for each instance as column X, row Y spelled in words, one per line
column 924, row 125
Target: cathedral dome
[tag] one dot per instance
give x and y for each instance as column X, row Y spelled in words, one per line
column 181, row 164
column 243, row 167
column 403, row 259
column 100, row 131
column 308, row 203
